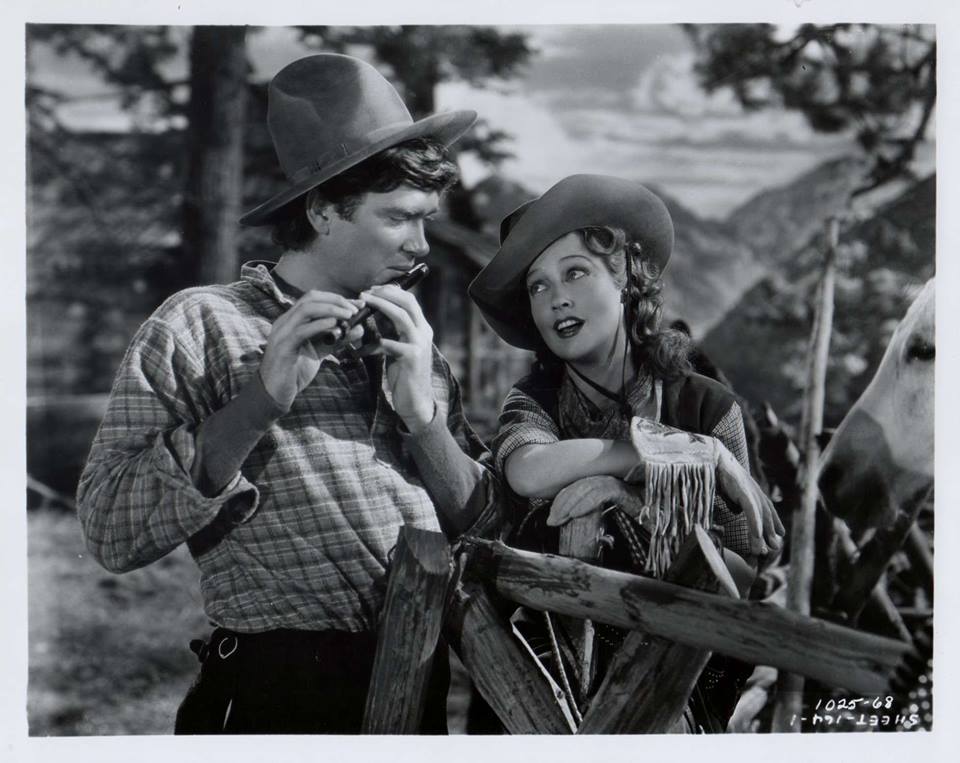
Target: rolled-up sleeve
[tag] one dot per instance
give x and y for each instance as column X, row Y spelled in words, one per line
column 523, row 421
column 455, row 464
column 136, row 497
column 487, row 497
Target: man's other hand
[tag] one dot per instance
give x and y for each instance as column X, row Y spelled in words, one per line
column 409, row 356
column 290, row 361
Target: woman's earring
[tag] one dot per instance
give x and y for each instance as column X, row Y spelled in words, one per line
column 623, row 296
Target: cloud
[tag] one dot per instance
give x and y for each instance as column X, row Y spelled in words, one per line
column 651, row 120
column 597, row 59
column 710, row 164
column 669, row 85
column 271, row 48
column 545, row 150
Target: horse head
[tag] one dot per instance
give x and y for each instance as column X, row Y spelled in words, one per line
column 881, row 456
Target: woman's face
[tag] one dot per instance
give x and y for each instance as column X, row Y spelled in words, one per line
column 574, row 300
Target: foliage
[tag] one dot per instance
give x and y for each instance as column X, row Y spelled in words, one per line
column 134, row 63
column 421, row 57
column 108, row 654
column 877, row 81
column 418, row 58
column 130, row 60
column 102, row 251
column 105, row 210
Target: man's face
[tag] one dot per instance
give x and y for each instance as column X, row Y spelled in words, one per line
column 383, row 239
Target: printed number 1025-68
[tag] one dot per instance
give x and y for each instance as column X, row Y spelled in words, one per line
column 854, row 703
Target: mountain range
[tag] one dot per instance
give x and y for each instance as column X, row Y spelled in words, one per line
column 886, row 252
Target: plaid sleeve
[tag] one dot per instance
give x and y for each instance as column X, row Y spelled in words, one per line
column 136, row 498
column 729, row 431
column 470, row 483
column 522, row 422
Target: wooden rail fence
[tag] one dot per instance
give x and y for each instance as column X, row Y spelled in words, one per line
column 675, row 623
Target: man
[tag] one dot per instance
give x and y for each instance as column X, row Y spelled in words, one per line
column 288, row 471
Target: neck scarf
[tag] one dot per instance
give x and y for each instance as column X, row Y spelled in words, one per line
column 676, row 470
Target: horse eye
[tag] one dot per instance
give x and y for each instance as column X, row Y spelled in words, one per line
column 920, row 350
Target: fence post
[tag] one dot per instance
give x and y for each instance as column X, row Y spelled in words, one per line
column 789, row 704
column 873, row 559
column 409, row 628
column 580, row 539
column 504, row 675
column 649, row 681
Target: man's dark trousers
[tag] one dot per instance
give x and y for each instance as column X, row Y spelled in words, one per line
column 293, row 682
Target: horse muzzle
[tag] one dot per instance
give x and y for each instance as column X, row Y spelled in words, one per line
column 860, row 480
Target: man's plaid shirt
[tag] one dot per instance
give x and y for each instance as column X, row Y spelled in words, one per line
column 302, row 536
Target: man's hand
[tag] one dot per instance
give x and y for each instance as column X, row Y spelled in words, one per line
column 409, row 357
column 738, row 487
column 290, row 361
column 593, row 494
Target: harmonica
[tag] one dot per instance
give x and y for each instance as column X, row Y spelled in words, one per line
column 406, row 282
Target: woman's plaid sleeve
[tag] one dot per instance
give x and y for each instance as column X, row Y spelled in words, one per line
column 729, row 431
column 523, row 421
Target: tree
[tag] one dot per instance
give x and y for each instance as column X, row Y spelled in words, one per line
column 117, row 221
column 880, row 82
column 214, row 184
column 210, row 104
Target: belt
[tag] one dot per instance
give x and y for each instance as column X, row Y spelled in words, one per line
column 284, row 643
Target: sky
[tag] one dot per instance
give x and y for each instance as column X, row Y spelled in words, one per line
column 624, row 100
column 616, row 99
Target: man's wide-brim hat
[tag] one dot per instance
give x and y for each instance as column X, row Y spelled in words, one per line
column 327, row 113
column 576, row 202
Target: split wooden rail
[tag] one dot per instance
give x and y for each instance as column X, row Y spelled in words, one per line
column 675, row 623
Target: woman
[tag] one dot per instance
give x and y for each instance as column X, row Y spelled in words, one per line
column 578, row 280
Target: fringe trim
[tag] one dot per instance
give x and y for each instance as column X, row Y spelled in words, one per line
column 676, row 497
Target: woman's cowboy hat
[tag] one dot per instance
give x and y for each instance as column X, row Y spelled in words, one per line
column 579, row 201
column 329, row 112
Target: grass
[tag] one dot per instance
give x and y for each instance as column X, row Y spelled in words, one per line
column 108, row 653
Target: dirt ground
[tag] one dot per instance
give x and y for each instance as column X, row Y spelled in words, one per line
column 108, row 653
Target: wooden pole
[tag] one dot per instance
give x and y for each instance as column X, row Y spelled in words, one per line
column 649, row 681
column 409, row 628
column 789, row 704
column 881, row 606
column 921, row 559
column 504, row 675
column 873, row 560
column 754, row 632
column 580, row 539
column 753, row 698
